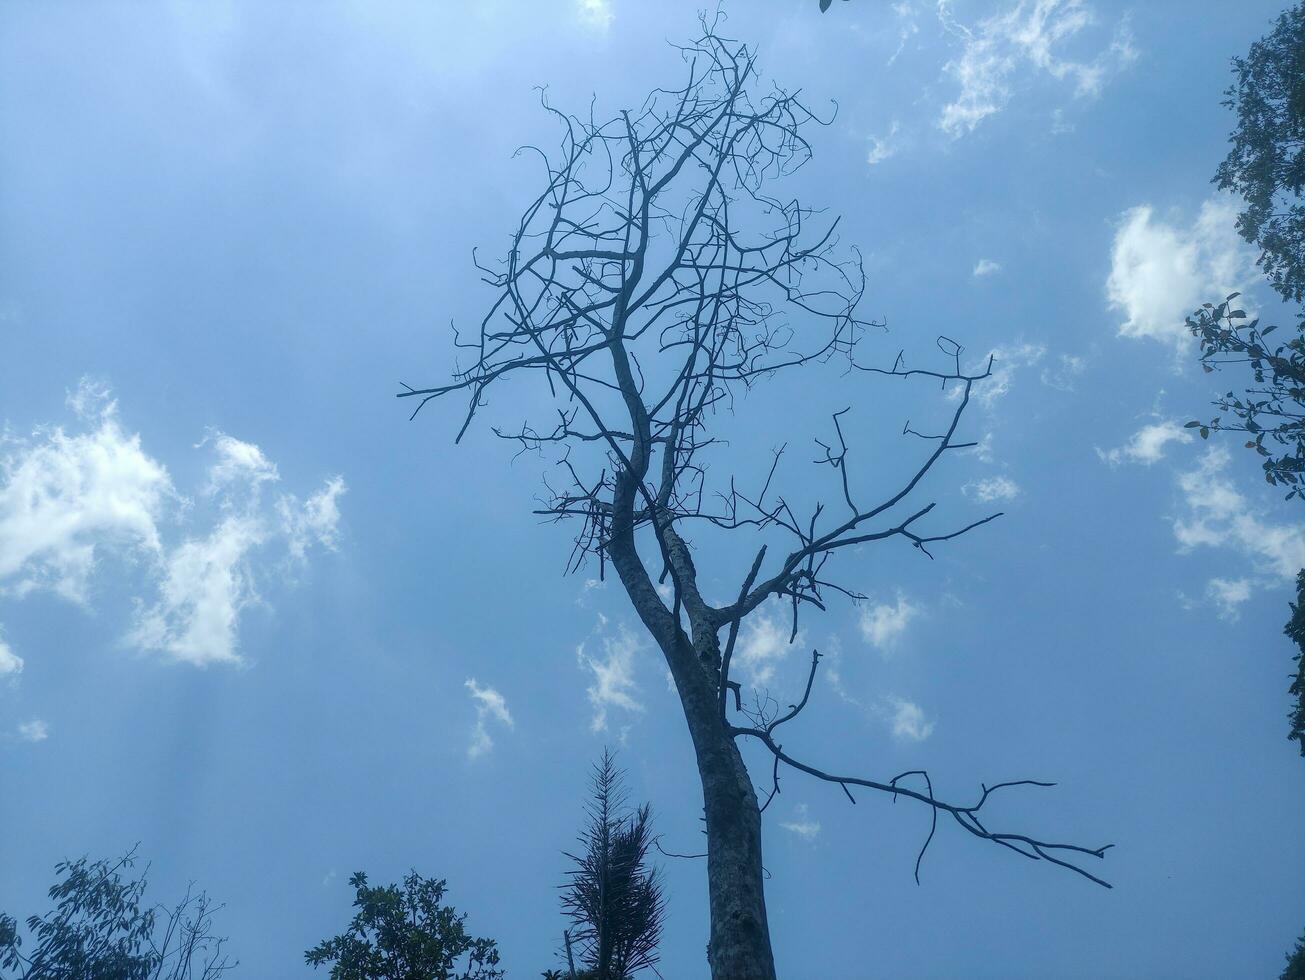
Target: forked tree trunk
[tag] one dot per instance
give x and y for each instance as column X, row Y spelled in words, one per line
column 740, row 935
column 739, row 948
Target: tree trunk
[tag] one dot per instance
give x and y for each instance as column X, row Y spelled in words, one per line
column 739, row 948
column 740, row 934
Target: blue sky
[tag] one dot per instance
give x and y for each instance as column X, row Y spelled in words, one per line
column 256, row 620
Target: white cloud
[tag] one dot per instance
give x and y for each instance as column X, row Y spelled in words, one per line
column 983, row 449
column 596, row 15
column 590, row 585
column 883, row 147
column 91, row 399
column 34, row 731
column 802, row 824
column 992, row 488
column 907, row 29
column 1006, row 361
column 1062, row 377
column 763, row 642
column 1147, row 445
column 1228, row 595
column 490, row 706
column 11, row 664
column 613, row 676
column 1218, row 516
column 238, row 465
column 1026, row 37
column 986, row 267
column 65, row 498
column 1161, row 272
column 907, row 722
column 883, row 624
column 1059, row 127
column 205, row 585
column 315, row 522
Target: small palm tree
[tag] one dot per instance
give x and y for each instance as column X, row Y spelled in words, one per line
column 613, row 897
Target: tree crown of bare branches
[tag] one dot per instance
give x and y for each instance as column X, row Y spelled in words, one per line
column 655, row 274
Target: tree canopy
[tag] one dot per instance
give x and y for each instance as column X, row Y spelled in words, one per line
column 1296, row 630
column 1270, row 411
column 99, row 930
column 1295, row 962
column 1265, row 165
column 406, row 933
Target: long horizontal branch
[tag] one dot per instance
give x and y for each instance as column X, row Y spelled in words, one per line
column 967, row 816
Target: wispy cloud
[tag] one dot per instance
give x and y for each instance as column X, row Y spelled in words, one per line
column 11, row 665
column 1026, row 39
column 1006, row 363
column 763, row 643
column 596, row 15
column 883, row 147
column 986, row 267
column 207, row 582
column 992, row 488
column 490, row 707
column 34, row 731
column 1217, row 515
column 802, row 824
column 1147, row 445
column 906, row 720
column 1161, row 271
column 315, row 522
column 1228, row 596
column 883, row 624
column 907, row 28
column 237, row 464
column 613, row 683
column 1063, row 373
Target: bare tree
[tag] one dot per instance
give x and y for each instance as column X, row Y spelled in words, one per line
column 655, row 275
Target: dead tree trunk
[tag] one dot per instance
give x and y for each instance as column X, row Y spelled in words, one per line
column 739, row 947
column 740, row 933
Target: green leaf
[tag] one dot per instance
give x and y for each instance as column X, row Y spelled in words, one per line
column 1205, row 432
column 1192, row 424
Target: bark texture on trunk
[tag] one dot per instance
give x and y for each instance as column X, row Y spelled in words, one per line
column 740, row 936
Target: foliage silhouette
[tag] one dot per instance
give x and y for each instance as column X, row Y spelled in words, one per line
column 405, row 933
column 99, row 931
column 613, row 898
